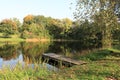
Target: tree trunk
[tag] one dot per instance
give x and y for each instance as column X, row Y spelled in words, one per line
column 106, row 37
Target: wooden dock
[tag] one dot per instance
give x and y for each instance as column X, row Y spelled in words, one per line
column 62, row 59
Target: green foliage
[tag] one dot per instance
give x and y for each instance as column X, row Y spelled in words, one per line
column 55, row 31
column 45, row 27
column 116, row 33
column 100, row 12
column 87, row 33
column 99, row 30
column 107, row 23
column 35, row 27
column 9, row 27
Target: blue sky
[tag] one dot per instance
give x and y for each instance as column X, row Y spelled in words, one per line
column 20, row 8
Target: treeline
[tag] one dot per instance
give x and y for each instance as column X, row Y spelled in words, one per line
column 36, row 27
column 88, row 33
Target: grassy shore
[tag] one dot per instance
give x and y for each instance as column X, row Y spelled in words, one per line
column 101, row 65
column 18, row 39
column 26, row 73
column 11, row 39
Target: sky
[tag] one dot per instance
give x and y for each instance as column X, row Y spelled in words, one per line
column 49, row 8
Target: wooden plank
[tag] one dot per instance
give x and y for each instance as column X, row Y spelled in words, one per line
column 63, row 59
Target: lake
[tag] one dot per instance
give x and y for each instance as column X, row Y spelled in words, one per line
column 29, row 52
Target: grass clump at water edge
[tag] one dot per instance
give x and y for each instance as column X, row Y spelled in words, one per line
column 24, row 73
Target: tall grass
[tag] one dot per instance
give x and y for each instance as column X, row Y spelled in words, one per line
column 24, row 73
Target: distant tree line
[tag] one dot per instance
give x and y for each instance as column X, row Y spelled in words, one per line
column 87, row 32
column 35, row 27
column 96, row 25
column 95, row 32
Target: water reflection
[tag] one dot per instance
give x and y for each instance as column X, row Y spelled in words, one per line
column 31, row 52
column 69, row 49
column 8, row 51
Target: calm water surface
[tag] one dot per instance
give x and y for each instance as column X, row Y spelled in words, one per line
column 27, row 52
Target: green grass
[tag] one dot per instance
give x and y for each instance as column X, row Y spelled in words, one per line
column 101, row 65
column 26, row 73
column 90, row 71
column 100, row 70
column 11, row 39
column 106, row 54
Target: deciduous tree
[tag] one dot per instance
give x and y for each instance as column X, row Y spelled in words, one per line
column 101, row 12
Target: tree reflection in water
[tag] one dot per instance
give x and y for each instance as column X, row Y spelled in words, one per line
column 30, row 52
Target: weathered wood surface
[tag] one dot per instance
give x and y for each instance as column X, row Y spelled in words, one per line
column 63, row 59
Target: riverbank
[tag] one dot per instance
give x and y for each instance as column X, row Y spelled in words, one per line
column 26, row 73
column 101, row 65
column 32, row 40
column 21, row 39
column 11, row 39
column 100, row 70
